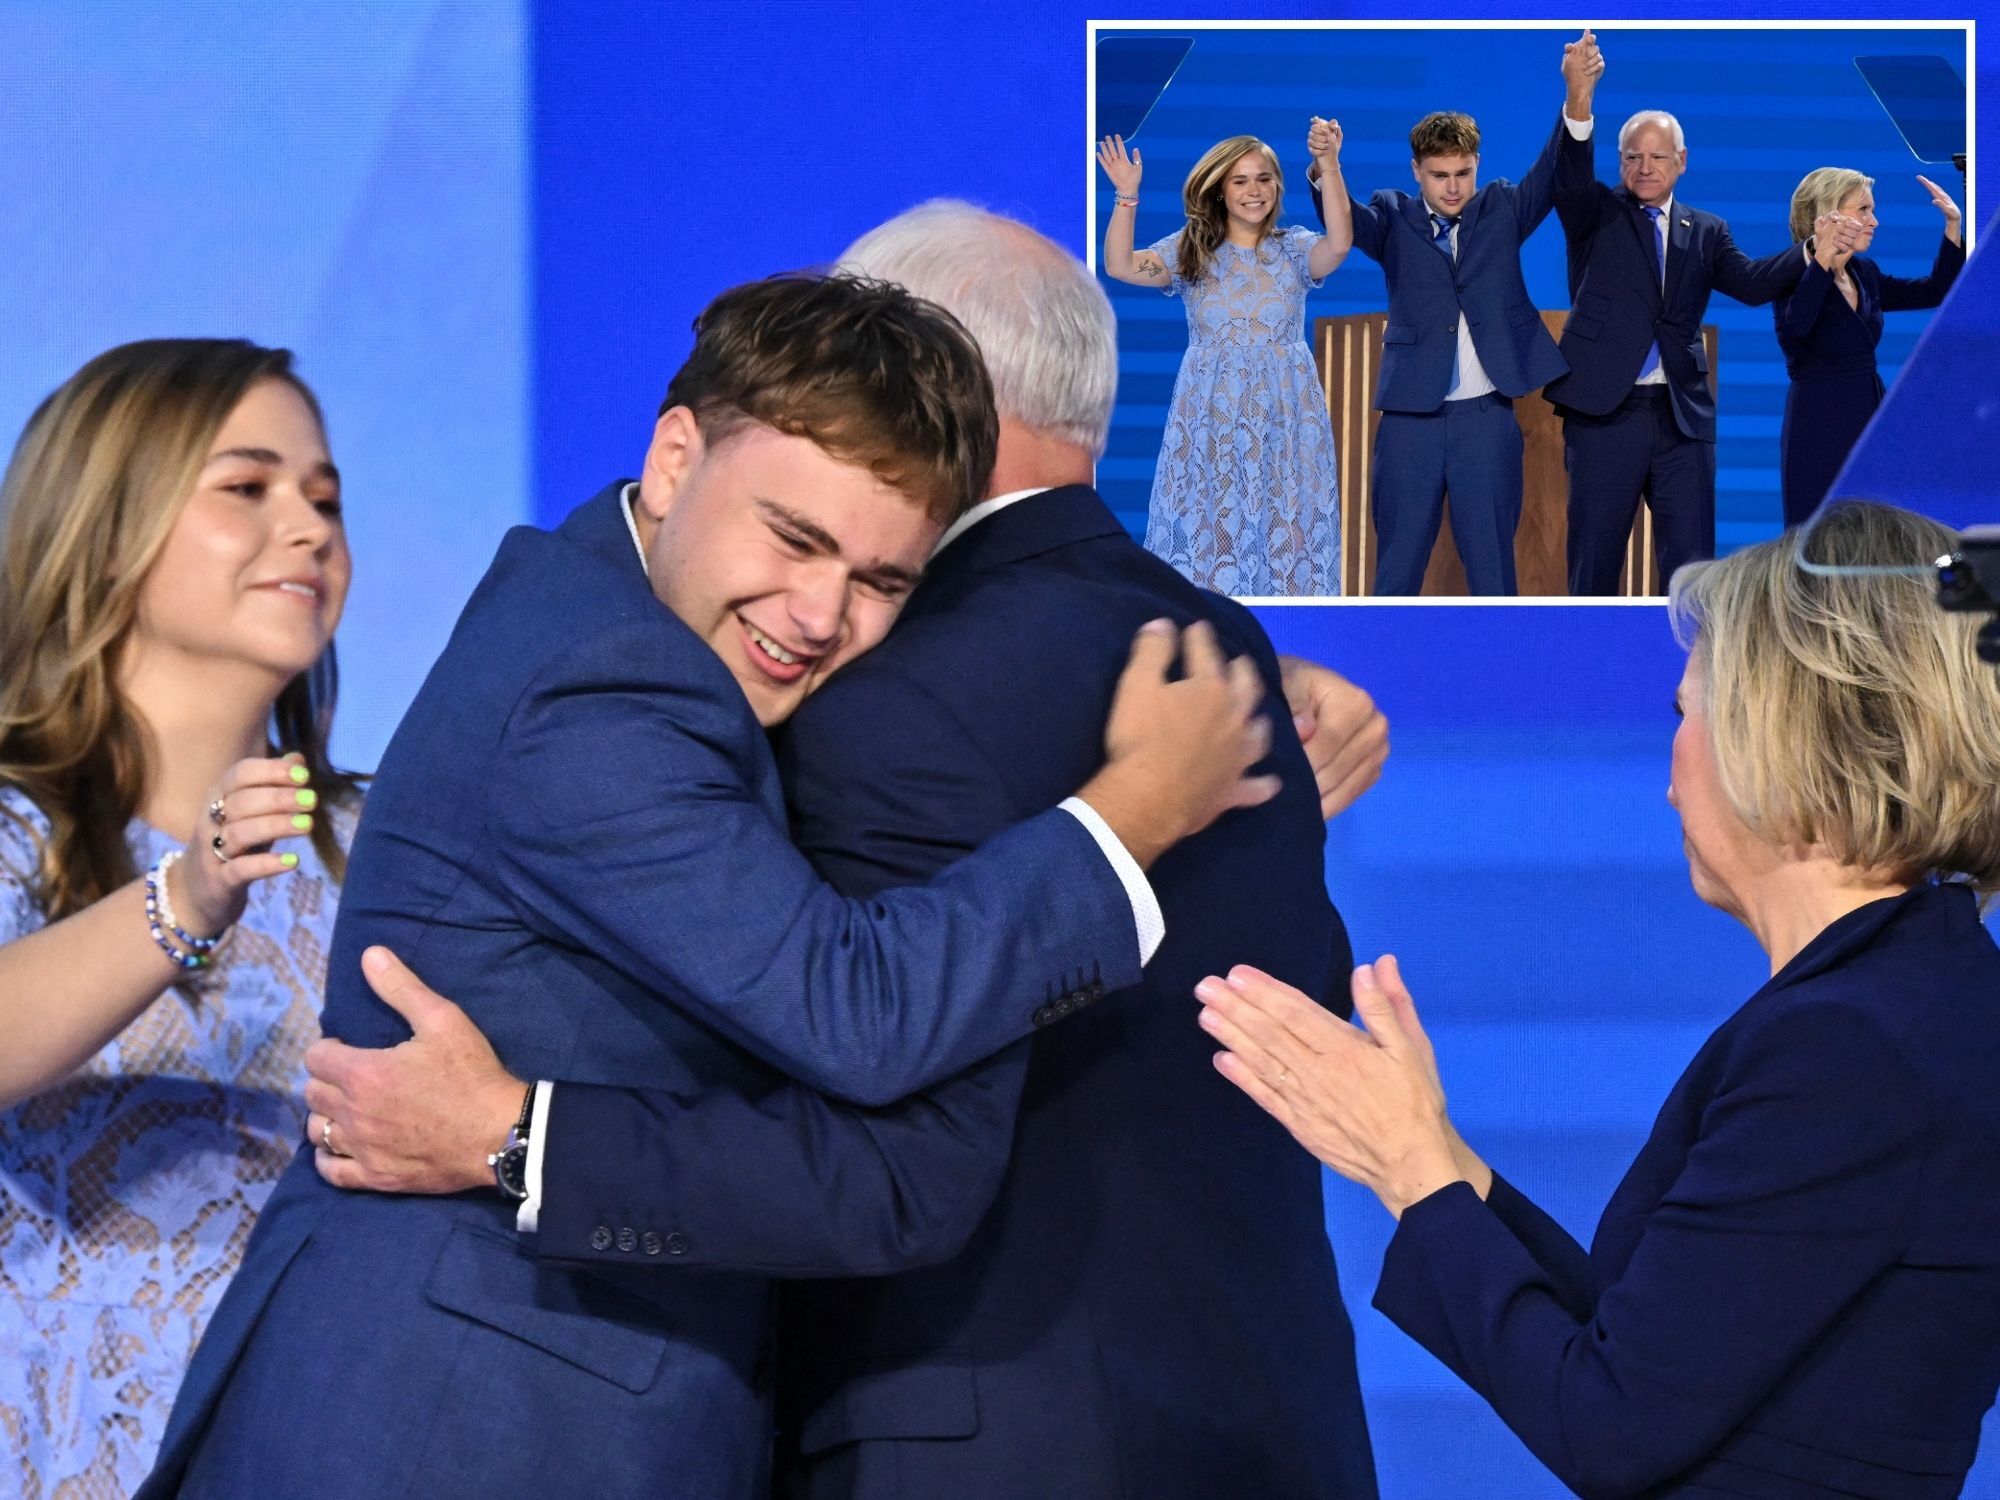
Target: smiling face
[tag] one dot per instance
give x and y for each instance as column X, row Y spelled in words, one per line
column 788, row 562
column 1447, row 182
column 1648, row 163
column 1859, row 206
column 255, row 571
column 1250, row 192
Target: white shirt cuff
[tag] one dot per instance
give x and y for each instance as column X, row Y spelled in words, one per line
column 1579, row 129
column 1147, row 920
column 527, row 1218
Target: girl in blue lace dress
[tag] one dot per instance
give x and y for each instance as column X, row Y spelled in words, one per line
column 1246, row 492
column 174, row 566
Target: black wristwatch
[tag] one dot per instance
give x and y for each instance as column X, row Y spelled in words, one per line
column 510, row 1162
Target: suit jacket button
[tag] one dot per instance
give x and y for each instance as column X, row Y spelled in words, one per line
column 627, row 1240
column 650, row 1243
column 600, row 1238
column 1095, row 989
column 1065, row 1005
column 677, row 1243
column 1043, row 1015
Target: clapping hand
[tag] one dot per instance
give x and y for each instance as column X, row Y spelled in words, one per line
column 1124, row 171
column 1365, row 1099
column 257, row 803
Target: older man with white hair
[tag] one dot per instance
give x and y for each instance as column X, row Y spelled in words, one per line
column 1638, row 411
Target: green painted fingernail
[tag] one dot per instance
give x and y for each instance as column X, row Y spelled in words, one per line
column 301, row 775
column 307, row 797
column 289, row 861
column 302, row 821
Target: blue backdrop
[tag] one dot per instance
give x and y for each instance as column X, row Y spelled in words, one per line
column 1761, row 108
column 486, row 226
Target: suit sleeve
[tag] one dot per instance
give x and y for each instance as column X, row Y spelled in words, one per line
column 1754, row 282
column 1371, row 223
column 787, row 1182
column 1796, row 314
column 1913, row 293
column 1575, row 189
column 1794, row 1197
column 1536, row 193
column 621, row 824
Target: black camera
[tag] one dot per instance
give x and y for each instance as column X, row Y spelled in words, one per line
column 1969, row 579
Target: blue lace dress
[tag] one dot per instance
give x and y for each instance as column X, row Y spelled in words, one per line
column 127, row 1191
column 1246, row 495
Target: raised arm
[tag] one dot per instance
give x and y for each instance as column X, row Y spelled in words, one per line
column 71, row 986
column 1912, row 293
column 1121, row 262
column 1336, row 212
column 1562, row 174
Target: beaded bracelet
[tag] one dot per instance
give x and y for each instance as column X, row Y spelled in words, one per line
column 1124, row 202
column 160, row 920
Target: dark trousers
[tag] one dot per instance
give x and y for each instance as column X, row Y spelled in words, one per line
column 1636, row 450
column 1468, row 449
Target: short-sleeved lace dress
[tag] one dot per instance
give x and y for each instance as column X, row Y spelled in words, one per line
column 127, row 1191
column 1246, row 494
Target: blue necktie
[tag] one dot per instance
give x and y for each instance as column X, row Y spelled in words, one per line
column 1442, row 239
column 1660, row 272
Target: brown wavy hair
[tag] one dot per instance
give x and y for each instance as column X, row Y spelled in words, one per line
column 874, row 376
column 97, row 481
column 1207, row 217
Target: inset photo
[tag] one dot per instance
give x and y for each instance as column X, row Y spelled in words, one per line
column 1509, row 310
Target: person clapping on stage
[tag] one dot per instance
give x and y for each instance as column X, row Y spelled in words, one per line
column 174, row 566
column 1829, row 327
column 1796, row 1288
column 1246, row 493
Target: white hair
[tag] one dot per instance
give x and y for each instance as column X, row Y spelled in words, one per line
column 1041, row 320
column 1655, row 117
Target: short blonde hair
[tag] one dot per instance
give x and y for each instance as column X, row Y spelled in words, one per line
column 1821, row 191
column 1848, row 710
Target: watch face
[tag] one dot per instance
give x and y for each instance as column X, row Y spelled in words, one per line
column 510, row 1170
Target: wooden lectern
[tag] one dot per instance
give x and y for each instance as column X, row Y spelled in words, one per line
column 1349, row 353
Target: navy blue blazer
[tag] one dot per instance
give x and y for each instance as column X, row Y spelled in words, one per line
column 1428, row 290
column 1796, row 1289
column 1149, row 1306
column 1830, row 355
column 578, row 833
column 1618, row 308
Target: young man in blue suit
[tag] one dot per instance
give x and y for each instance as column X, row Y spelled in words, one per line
column 1464, row 342
column 1148, row 1305
column 1638, row 413
column 578, row 828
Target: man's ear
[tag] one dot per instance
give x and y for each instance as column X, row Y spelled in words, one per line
column 673, row 455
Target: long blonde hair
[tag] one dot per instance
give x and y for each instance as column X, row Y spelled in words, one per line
column 97, row 480
column 1207, row 217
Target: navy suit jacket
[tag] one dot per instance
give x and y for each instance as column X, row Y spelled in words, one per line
column 1428, row 290
column 1149, row 1306
column 1796, row 1289
column 1618, row 307
column 1830, row 355
column 578, row 834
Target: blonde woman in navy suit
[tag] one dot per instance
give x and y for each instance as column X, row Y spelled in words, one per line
column 1829, row 327
column 1796, row 1289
